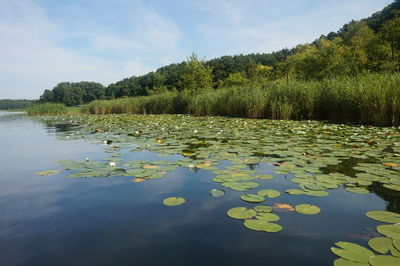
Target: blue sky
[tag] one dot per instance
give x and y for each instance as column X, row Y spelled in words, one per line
column 43, row 42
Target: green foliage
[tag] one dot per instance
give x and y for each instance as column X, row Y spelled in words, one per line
column 74, row 93
column 196, row 75
column 368, row 99
column 6, row 104
column 47, row 108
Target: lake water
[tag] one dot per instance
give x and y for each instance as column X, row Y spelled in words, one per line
column 54, row 220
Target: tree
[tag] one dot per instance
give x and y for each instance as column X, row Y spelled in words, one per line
column 390, row 32
column 196, row 76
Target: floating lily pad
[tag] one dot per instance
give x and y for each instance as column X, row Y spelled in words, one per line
column 357, row 190
column 384, row 216
column 384, row 260
column 270, row 193
column 253, row 198
column 307, row 209
column 48, row 172
column 294, row 191
column 352, row 252
column 380, row 244
column 392, row 231
column 343, row 262
column 174, row 201
column 263, row 208
column 264, row 177
column 217, row 193
column 268, row 217
column 258, row 225
column 241, row 213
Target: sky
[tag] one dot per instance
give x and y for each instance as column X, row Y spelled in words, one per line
column 44, row 42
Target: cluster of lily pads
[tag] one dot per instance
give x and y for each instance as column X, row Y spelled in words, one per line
column 387, row 246
column 264, row 220
column 309, row 153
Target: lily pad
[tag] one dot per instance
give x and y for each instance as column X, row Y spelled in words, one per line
column 392, row 231
column 384, row 260
column 263, row 208
column 174, row 201
column 357, row 190
column 307, row 209
column 270, row 193
column 241, row 213
column 343, row 262
column 268, row 217
column 352, row 252
column 217, row 193
column 384, row 216
column 253, row 198
column 48, row 172
column 380, row 244
column 258, row 225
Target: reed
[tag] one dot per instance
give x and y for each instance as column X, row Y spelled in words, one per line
column 368, row 99
column 47, row 108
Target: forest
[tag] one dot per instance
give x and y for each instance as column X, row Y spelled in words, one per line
column 7, row 104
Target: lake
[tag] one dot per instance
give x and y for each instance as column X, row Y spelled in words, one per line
column 110, row 220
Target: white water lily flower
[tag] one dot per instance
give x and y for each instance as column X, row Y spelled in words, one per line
column 104, row 141
column 112, row 164
column 87, row 159
column 195, row 131
column 191, row 166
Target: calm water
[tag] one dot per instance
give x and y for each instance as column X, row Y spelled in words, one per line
column 53, row 220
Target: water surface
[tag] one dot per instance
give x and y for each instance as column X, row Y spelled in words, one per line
column 54, row 220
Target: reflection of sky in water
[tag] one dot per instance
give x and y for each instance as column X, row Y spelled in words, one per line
column 53, row 220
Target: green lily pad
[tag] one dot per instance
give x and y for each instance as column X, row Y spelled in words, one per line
column 380, row 244
column 352, row 252
column 264, row 177
column 316, row 193
column 174, row 201
column 253, row 198
column 384, row 216
column 307, row 209
column 396, row 244
column 48, row 172
column 343, row 262
column 270, row 193
column 357, row 190
column 241, row 213
column 263, row 208
column 384, row 260
column 258, row 225
column 268, row 217
column 392, row 231
column 294, row 191
column 217, row 193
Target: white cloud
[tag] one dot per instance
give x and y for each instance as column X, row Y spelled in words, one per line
column 32, row 58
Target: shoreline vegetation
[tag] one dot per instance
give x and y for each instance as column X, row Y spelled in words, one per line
column 372, row 99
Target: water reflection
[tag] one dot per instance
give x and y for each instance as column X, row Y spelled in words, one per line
column 54, row 220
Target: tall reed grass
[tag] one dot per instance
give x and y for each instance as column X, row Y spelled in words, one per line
column 47, row 108
column 369, row 99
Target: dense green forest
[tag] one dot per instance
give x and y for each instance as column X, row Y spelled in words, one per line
column 371, row 45
column 6, row 104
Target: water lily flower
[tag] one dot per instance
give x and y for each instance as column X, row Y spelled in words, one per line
column 112, row 164
column 87, row 159
column 195, row 131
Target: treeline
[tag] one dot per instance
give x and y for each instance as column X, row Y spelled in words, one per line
column 74, row 93
column 370, row 45
column 6, row 104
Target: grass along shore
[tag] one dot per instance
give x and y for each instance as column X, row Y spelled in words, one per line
column 372, row 99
